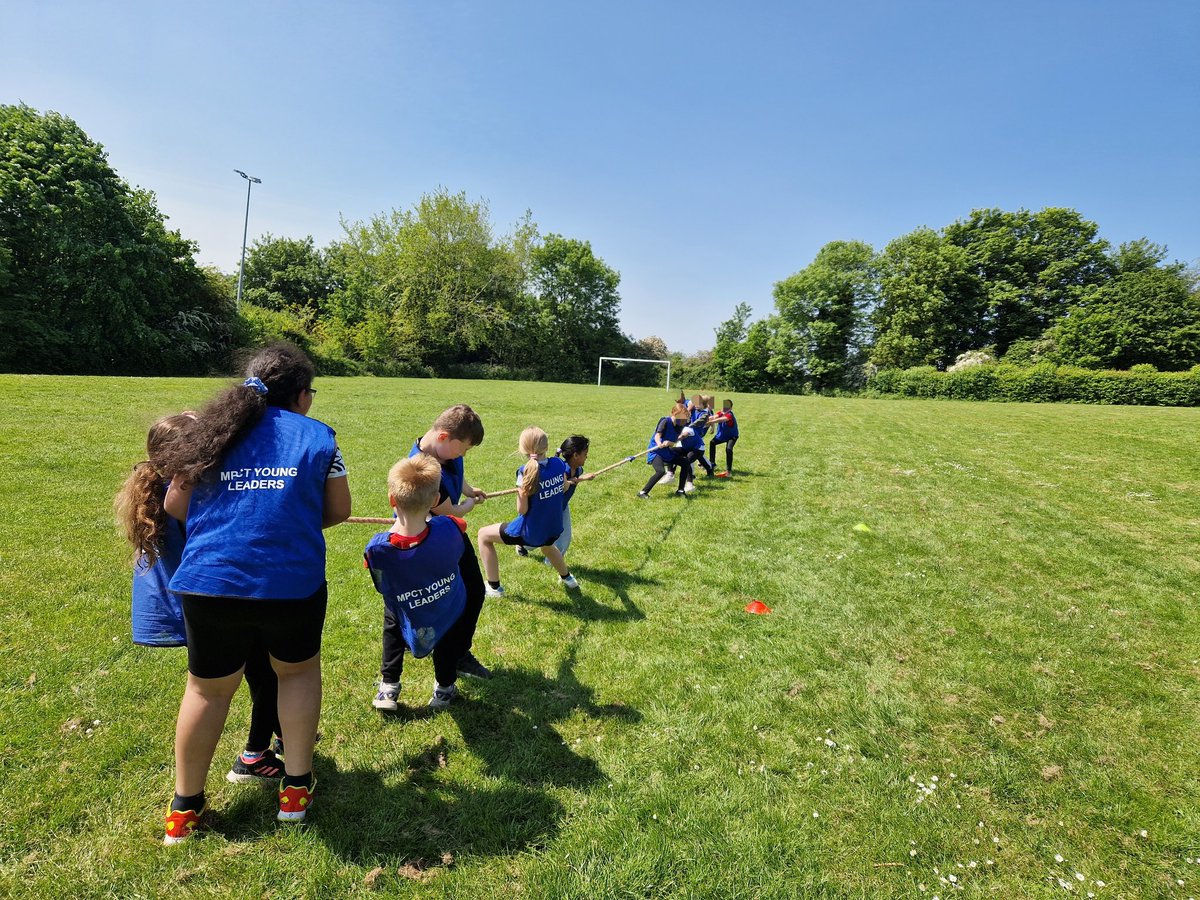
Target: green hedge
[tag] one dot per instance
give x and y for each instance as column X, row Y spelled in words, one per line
column 1043, row 383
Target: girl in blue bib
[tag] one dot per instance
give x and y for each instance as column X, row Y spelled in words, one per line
column 665, row 451
column 157, row 614
column 539, row 518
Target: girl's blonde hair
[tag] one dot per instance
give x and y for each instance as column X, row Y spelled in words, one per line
column 413, row 483
column 679, row 411
column 533, row 443
column 141, row 517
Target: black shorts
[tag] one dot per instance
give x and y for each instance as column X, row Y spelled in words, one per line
column 223, row 632
column 518, row 541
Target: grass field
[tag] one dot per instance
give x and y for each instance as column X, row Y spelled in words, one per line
column 992, row 693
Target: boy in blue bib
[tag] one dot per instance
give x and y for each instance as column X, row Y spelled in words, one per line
column 416, row 566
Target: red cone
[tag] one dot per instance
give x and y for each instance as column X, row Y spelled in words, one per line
column 757, row 607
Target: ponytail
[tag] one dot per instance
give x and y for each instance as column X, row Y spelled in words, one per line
column 141, row 517
column 276, row 376
column 533, row 443
column 576, row 443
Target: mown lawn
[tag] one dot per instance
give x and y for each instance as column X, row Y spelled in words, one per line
column 991, row 693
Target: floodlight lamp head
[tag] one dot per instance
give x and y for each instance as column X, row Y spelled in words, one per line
column 256, row 180
column 240, row 172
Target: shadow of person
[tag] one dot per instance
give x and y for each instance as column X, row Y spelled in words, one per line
column 582, row 604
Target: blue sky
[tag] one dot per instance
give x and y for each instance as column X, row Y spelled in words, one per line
column 706, row 151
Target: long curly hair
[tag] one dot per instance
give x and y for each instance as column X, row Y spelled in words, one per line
column 283, row 368
column 139, row 503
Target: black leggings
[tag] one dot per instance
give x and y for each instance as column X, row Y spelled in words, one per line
column 660, row 469
column 712, row 452
column 697, row 455
column 263, row 685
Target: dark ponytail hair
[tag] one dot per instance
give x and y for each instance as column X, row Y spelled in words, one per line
column 282, row 368
column 576, row 443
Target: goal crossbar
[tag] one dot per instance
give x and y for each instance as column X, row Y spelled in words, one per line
column 661, row 362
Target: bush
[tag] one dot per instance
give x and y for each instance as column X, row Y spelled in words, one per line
column 1044, row 383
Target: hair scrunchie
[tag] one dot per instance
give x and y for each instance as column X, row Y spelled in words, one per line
column 255, row 384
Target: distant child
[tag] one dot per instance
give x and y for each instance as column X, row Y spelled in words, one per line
column 727, row 434
column 157, row 616
column 416, row 566
column 574, row 452
column 539, row 521
column 694, row 442
column 452, row 435
column 665, row 451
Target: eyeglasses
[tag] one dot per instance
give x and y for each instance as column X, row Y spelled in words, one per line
column 312, row 390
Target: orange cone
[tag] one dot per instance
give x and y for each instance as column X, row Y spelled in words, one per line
column 757, row 607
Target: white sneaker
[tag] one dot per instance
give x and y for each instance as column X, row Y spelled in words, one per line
column 443, row 696
column 490, row 591
column 569, row 582
column 689, row 487
column 666, row 479
column 388, row 697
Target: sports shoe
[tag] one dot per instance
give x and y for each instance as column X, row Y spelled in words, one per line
column 689, row 487
column 277, row 746
column 681, row 493
column 490, row 591
column 294, row 801
column 724, row 474
column 521, row 551
column 469, row 665
column 642, row 495
column 666, row 479
column 181, row 823
column 388, row 696
column 266, row 767
column 443, row 696
column 569, row 582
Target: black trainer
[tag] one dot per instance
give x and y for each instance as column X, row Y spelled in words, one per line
column 469, row 665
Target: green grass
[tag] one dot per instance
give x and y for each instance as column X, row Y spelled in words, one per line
column 1019, row 622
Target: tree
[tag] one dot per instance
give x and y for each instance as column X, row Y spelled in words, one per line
column 1032, row 266
column 931, row 306
column 578, row 307
column 1147, row 315
column 91, row 280
column 429, row 286
column 821, row 317
column 286, row 274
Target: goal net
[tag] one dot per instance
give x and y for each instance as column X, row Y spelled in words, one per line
column 603, row 359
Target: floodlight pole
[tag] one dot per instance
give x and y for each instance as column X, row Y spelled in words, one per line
column 250, row 182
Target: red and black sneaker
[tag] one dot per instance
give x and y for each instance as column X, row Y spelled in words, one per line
column 723, row 474
column 294, row 801
column 181, row 823
column 266, row 766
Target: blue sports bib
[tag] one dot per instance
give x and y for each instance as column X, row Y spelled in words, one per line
column 421, row 585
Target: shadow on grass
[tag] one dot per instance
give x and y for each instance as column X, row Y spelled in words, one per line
column 579, row 603
column 496, row 800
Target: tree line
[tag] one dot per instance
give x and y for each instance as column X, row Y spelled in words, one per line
column 1019, row 288
column 93, row 282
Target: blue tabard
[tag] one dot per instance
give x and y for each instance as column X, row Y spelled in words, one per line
column 670, row 432
column 157, row 615
column 543, row 522
column 421, row 585
column 254, row 524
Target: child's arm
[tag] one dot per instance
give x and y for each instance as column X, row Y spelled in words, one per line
column 474, row 492
column 177, row 499
column 460, row 509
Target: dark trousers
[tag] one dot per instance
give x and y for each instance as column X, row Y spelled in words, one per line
column 263, row 685
column 697, row 456
column 712, row 452
column 660, row 469
column 454, row 643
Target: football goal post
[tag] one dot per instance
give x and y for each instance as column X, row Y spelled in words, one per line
column 661, row 362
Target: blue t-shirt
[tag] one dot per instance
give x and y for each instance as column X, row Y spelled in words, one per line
column 157, row 615
column 453, row 476
column 421, row 583
column 542, row 523
column 254, row 523
column 727, row 430
column 670, row 432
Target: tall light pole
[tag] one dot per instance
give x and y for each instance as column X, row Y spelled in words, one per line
column 250, row 182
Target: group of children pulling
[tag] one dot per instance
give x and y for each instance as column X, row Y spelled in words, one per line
column 226, row 516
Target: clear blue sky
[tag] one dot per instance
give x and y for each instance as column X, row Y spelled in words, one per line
column 706, row 151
